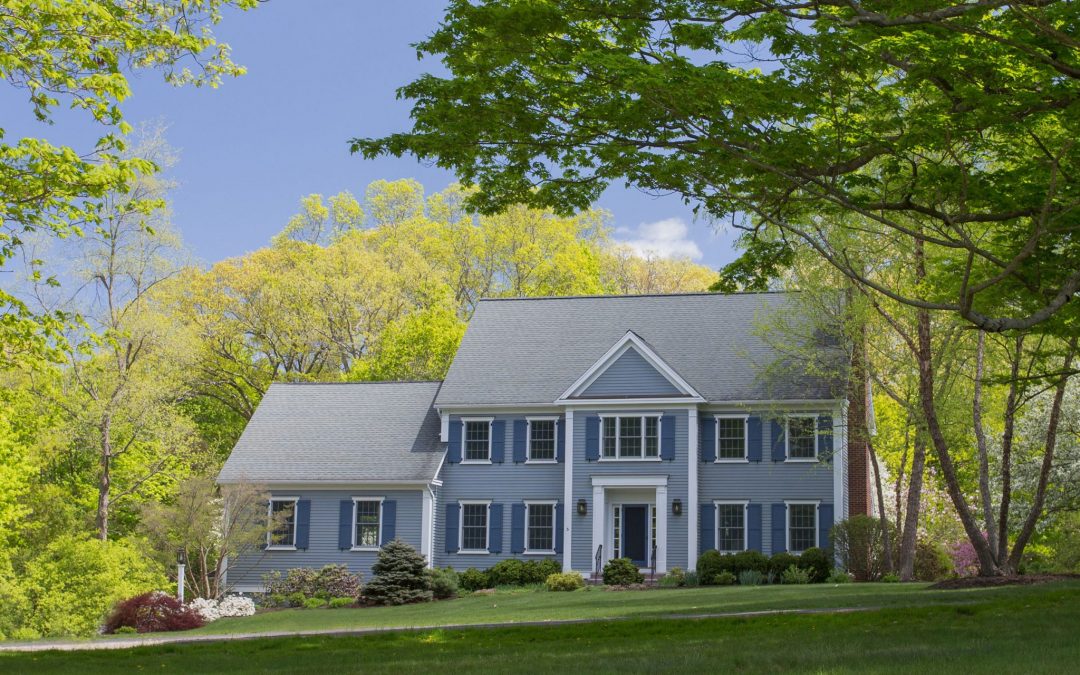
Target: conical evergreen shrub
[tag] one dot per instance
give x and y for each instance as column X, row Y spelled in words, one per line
column 400, row 576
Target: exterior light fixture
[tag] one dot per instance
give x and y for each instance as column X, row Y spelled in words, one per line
column 676, row 507
column 582, row 507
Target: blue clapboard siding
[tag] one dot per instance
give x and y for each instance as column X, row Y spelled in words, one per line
column 630, row 375
column 323, row 535
column 765, row 482
column 508, row 483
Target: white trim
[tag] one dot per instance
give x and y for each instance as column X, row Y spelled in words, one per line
column 550, row 406
column 690, row 510
column 627, row 480
column 570, row 509
column 427, row 526
column 335, row 484
column 717, row 459
column 675, row 403
column 354, row 547
column 618, row 437
column 660, row 504
column 625, row 343
column 444, row 428
column 528, row 438
column 270, row 517
column 788, row 503
column 745, row 503
column 599, row 517
column 787, row 438
column 839, row 460
column 554, row 504
column 464, row 434
column 461, row 527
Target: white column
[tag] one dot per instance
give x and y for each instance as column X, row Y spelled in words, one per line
column 661, row 529
column 691, row 510
column 427, row 526
column 599, row 515
column 840, row 432
column 569, row 510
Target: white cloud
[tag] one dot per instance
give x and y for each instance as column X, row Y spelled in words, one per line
column 662, row 239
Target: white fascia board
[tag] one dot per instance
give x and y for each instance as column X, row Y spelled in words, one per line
column 629, row 481
column 336, row 485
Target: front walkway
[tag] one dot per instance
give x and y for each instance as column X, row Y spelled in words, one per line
column 149, row 641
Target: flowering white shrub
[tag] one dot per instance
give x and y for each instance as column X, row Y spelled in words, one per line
column 206, row 608
column 236, row 605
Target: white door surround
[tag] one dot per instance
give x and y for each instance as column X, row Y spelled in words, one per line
column 612, row 490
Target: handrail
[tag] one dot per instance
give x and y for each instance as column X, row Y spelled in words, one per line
column 599, row 557
column 652, row 561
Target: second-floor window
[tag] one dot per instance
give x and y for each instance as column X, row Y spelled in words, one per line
column 477, row 441
column 541, row 440
column 802, row 437
column 631, row 437
column 730, row 438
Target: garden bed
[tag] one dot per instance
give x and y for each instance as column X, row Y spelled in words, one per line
column 991, row 582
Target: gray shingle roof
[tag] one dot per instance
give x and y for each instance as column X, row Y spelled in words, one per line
column 529, row 351
column 354, row 432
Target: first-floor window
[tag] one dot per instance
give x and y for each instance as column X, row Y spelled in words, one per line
column 367, row 523
column 282, row 523
column 730, row 527
column 802, row 527
column 541, row 527
column 474, row 527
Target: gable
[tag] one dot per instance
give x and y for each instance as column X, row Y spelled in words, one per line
column 630, row 375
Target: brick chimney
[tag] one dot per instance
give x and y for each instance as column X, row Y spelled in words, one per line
column 860, row 496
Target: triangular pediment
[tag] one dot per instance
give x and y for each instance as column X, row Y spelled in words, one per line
column 630, row 369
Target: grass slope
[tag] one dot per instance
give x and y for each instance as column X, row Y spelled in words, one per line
column 1030, row 629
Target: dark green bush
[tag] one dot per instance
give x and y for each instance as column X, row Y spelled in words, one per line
column 817, row 562
column 859, row 546
column 544, row 569
column 622, row 572
column 709, row 564
column 507, row 573
column 724, row 579
column 473, row 579
column 795, row 575
column 400, row 576
column 443, row 582
column 779, row 563
column 932, row 561
column 748, row 560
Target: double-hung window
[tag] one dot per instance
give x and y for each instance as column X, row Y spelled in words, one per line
column 802, row 437
column 282, row 531
column 730, row 527
column 474, row 527
column 802, row 526
column 541, row 440
column 539, row 527
column 730, row 438
column 477, row 441
column 367, row 521
column 631, row 437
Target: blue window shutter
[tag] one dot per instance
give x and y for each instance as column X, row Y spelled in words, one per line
column 560, row 440
column 303, row 523
column 498, row 441
column 779, row 450
column 753, row 439
column 753, row 527
column 453, row 444
column 779, row 528
column 825, row 523
column 389, row 521
column 517, row 528
column 453, row 513
column 707, row 435
column 707, row 535
column 345, row 518
column 495, row 528
column 592, row 438
column 558, row 527
column 667, row 437
column 825, row 437
column 521, row 431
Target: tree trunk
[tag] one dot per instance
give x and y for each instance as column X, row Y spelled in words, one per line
column 914, row 506
column 1007, row 436
column 887, row 543
column 105, row 478
column 980, row 437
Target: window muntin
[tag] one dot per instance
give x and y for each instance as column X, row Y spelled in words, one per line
column 539, row 527
column 730, row 527
column 631, row 437
column 282, row 531
column 474, row 527
column 730, row 438
column 366, row 519
column 802, row 527
column 802, row 437
column 541, row 441
column 477, row 445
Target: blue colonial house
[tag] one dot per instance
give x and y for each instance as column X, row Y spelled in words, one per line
column 579, row 429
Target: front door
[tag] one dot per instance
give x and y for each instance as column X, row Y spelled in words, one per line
column 635, row 534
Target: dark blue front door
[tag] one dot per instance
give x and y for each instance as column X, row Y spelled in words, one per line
column 635, row 534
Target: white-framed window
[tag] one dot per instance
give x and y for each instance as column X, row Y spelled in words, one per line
column 474, row 527
column 730, row 526
column 731, row 443
column 802, row 526
column 540, row 527
column 367, row 523
column 476, row 440
column 801, row 437
column 281, row 512
column 634, row 437
column 541, row 440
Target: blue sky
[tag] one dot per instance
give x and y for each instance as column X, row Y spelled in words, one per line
column 319, row 73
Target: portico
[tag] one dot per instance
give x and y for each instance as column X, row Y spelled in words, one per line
column 630, row 518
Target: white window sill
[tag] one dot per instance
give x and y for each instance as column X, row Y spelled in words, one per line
column 741, row 550
column 541, row 461
column 476, row 461
column 552, row 552
column 463, row 552
column 278, row 547
column 800, row 460
column 630, row 459
column 731, row 460
column 368, row 549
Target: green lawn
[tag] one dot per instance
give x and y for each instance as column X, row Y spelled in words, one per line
column 1016, row 629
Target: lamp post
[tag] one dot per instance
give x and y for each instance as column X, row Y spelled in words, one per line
column 181, row 564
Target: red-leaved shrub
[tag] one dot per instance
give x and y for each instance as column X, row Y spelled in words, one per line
column 152, row 613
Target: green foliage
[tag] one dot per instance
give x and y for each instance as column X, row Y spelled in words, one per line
column 859, row 546
column 568, row 581
column 314, row 603
column 795, row 575
column 506, row 573
column 400, row 576
column 817, row 562
column 838, row 576
column 891, row 578
column 932, row 561
column 303, row 583
column 473, row 579
column 692, row 579
column 779, row 562
column 751, row 577
column 709, row 564
column 444, row 583
column 675, row 578
column 336, row 603
column 297, row 599
column 725, row 579
column 622, row 572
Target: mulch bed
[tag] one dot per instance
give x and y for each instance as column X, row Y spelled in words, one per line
column 991, row 582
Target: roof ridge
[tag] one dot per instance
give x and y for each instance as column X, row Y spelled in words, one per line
column 634, row 295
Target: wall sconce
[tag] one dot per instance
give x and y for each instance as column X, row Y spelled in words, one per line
column 582, row 507
column 676, row 507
